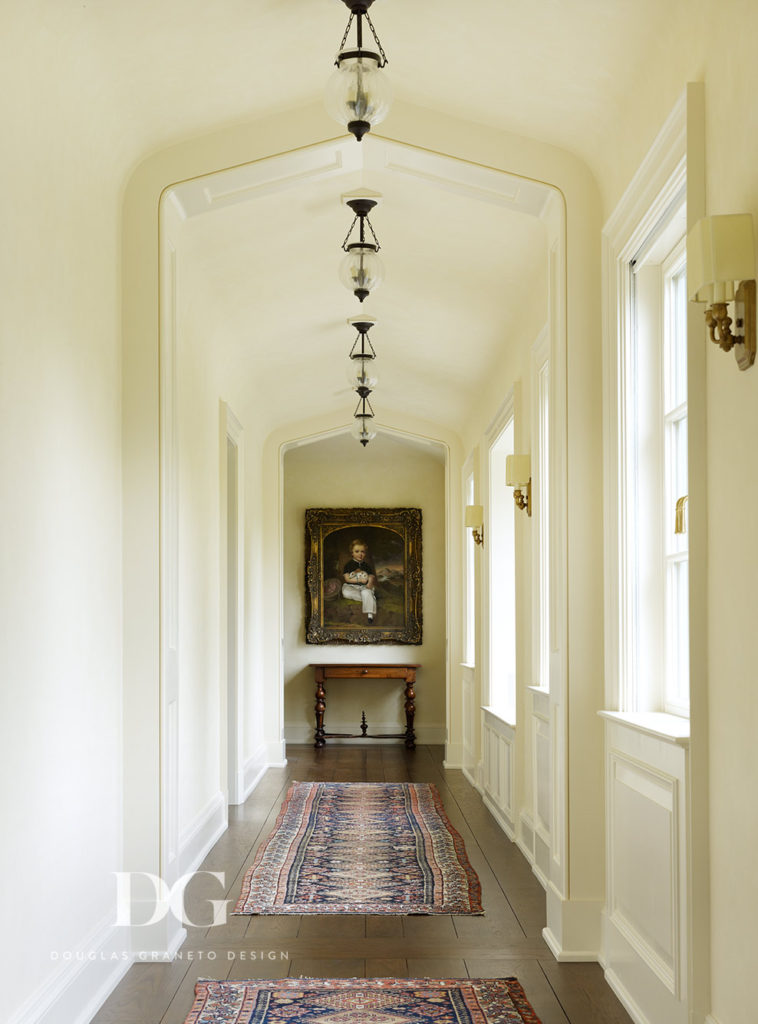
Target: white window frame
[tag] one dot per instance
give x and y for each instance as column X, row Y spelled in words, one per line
column 657, row 189
column 469, row 571
column 541, row 597
column 502, row 691
column 675, row 546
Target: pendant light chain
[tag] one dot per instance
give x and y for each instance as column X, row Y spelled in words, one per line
column 382, row 54
column 370, row 227
column 349, row 233
column 344, row 40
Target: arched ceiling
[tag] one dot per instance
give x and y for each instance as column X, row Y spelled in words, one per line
column 167, row 70
column 257, row 252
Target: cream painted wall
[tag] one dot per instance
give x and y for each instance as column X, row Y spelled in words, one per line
column 731, row 704
column 338, row 473
column 199, row 567
column 60, row 508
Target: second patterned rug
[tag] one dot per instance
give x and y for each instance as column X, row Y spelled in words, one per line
column 361, row 848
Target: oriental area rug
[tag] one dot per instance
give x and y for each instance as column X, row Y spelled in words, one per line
column 362, row 1001
column 361, row 848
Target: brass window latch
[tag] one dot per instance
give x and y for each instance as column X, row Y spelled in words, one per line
column 681, row 519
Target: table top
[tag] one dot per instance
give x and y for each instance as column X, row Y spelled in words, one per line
column 365, row 664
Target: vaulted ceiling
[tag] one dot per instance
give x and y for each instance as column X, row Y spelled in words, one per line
column 259, row 276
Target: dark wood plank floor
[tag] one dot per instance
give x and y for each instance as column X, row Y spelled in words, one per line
column 506, row 941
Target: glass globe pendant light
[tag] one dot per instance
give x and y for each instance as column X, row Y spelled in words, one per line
column 363, row 428
column 358, row 94
column 362, row 361
column 361, row 269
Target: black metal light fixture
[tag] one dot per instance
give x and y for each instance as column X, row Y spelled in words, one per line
column 363, row 429
column 358, row 95
column 361, row 270
column 363, row 378
column 362, row 359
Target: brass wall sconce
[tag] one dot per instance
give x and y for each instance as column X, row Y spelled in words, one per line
column 475, row 522
column 721, row 272
column 518, row 474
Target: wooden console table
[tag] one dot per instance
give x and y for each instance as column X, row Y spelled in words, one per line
column 365, row 671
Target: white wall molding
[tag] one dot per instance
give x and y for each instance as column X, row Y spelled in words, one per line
column 626, row 999
column 525, row 836
column 453, row 756
column 254, row 770
column 505, row 824
column 644, row 933
column 574, row 929
column 79, row 987
column 473, row 777
column 497, row 770
column 196, row 841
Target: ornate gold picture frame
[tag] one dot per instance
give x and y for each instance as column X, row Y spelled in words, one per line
column 363, row 576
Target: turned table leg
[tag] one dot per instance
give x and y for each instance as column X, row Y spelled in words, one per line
column 410, row 710
column 320, row 708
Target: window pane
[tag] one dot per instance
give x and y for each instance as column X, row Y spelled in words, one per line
column 676, row 341
column 469, row 653
column 678, row 668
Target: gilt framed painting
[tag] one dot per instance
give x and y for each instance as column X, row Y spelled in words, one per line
column 363, row 576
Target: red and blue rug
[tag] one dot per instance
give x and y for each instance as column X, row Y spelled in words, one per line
column 362, row 1001
column 361, row 848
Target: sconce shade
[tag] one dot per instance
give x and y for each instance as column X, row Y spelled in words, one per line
column 720, row 253
column 474, row 516
column 518, row 470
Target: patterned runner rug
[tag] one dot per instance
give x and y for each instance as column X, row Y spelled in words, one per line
column 361, row 848
column 362, row 1001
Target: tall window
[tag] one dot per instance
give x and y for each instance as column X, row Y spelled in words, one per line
column 655, row 638
column 469, row 637
column 502, row 580
column 676, row 683
column 541, row 512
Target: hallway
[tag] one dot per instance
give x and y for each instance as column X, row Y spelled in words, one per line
column 506, row 941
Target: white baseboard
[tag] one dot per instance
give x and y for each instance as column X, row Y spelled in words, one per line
column 254, row 770
column 625, row 999
column 276, row 754
column 499, row 817
column 710, row 1019
column 453, row 755
column 472, row 777
column 525, row 837
column 425, row 734
column 197, row 840
column 79, row 987
column 574, row 956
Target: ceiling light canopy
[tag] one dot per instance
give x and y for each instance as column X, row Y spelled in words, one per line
column 358, row 94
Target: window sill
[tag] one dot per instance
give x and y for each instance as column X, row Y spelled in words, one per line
column 468, row 664
column 499, row 715
column 664, row 726
column 539, row 689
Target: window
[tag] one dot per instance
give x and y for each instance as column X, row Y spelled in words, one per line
column 654, row 656
column 469, row 636
column 502, row 580
column 677, row 664
column 541, row 512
